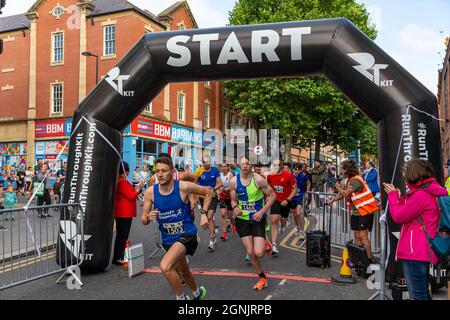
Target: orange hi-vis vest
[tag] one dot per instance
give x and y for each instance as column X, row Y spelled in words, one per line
column 363, row 201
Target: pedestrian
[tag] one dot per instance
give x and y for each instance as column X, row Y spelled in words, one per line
column 247, row 192
column 372, row 178
column 285, row 187
column 44, row 192
column 417, row 211
column 61, row 173
column 167, row 202
column 2, row 206
column 38, row 166
column 28, row 178
column 136, row 176
column 125, row 209
column 318, row 181
column 21, row 174
column 57, row 190
column 10, row 201
column 361, row 204
column 209, row 176
column 331, row 178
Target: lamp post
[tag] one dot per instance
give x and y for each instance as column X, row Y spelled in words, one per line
column 90, row 54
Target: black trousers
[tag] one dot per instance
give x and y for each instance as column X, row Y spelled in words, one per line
column 47, row 199
column 123, row 226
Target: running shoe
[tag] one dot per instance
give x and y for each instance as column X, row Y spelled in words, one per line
column 247, row 259
column 288, row 223
column 228, row 227
column 282, row 229
column 233, row 229
column 2, row 228
column 211, row 244
column 261, row 284
column 268, row 247
column 275, row 251
column 224, row 236
column 302, row 235
column 202, row 294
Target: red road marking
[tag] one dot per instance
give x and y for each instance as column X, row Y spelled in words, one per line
column 248, row 275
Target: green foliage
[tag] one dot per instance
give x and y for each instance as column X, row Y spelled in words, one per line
column 302, row 108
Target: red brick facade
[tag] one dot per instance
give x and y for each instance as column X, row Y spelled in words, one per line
column 17, row 60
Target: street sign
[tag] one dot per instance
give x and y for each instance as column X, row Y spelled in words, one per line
column 258, row 150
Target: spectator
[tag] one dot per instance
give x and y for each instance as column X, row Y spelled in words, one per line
column 57, row 190
column 331, row 178
column 136, row 176
column 2, row 201
column 371, row 176
column 43, row 195
column 318, row 181
column 416, row 211
column 28, row 179
column 38, row 166
column 125, row 209
column 10, row 201
column 61, row 173
column 21, row 179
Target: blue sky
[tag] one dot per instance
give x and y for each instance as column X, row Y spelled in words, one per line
column 409, row 30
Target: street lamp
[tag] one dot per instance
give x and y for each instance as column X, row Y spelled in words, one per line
column 90, row 54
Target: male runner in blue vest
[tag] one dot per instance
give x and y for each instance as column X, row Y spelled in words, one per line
column 170, row 200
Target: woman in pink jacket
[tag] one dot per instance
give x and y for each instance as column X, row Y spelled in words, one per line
column 420, row 202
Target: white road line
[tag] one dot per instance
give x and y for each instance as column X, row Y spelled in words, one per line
column 268, row 297
column 282, row 282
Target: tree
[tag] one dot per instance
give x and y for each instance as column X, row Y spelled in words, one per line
column 306, row 108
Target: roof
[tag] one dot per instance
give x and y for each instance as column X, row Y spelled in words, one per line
column 15, row 22
column 102, row 7
column 108, row 6
column 175, row 6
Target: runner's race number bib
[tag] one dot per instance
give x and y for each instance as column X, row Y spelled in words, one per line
column 250, row 207
column 279, row 189
column 173, row 228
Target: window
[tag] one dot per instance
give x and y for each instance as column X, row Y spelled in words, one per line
column 58, row 47
column 149, row 108
column 57, row 98
column 207, row 112
column 446, row 93
column 181, row 104
column 110, row 40
column 181, row 26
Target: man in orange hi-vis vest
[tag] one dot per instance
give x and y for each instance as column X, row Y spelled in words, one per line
column 361, row 203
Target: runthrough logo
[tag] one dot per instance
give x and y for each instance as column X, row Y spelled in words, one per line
column 116, row 81
column 367, row 62
column 71, row 239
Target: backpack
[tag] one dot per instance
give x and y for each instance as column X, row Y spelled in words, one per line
column 441, row 242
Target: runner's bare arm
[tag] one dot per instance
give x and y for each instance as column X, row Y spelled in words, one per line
column 186, row 176
column 268, row 191
column 234, row 200
column 148, row 202
column 194, row 189
column 293, row 193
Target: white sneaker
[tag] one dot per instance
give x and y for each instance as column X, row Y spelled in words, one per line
column 275, row 250
column 211, row 244
column 302, row 235
column 288, row 223
column 282, row 229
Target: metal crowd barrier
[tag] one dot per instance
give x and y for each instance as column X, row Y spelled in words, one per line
column 341, row 232
column 28, row 243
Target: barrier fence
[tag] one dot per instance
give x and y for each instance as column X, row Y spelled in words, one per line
column 29, row 243
column 315, row 202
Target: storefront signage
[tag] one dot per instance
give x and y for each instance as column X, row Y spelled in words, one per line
column 53, row 128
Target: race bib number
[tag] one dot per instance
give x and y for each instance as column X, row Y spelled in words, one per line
column 173, row 228
column 250, row 207
column 279, row 189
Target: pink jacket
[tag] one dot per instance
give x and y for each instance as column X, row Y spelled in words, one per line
column 413, row 243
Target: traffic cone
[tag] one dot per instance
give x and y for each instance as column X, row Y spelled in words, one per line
column 345, row 273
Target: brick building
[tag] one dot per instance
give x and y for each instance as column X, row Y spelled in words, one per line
column 44, row 77
column 444, row 103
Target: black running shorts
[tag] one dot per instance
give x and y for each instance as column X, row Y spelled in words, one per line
column 189, row 241
column 360, row 223
column 277, row 208
column 246, row 228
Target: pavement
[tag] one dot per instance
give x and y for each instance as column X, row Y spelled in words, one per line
column 223, row 272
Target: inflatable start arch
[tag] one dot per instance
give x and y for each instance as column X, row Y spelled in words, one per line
column 377, row 84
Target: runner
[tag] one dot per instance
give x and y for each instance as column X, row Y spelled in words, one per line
column 225, row 200
column 169, row 199
column 285, row 187
column 302, row 185
column 249, row 208
column 208, row 176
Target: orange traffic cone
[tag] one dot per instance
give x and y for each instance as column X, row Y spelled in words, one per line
column 345, row 273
